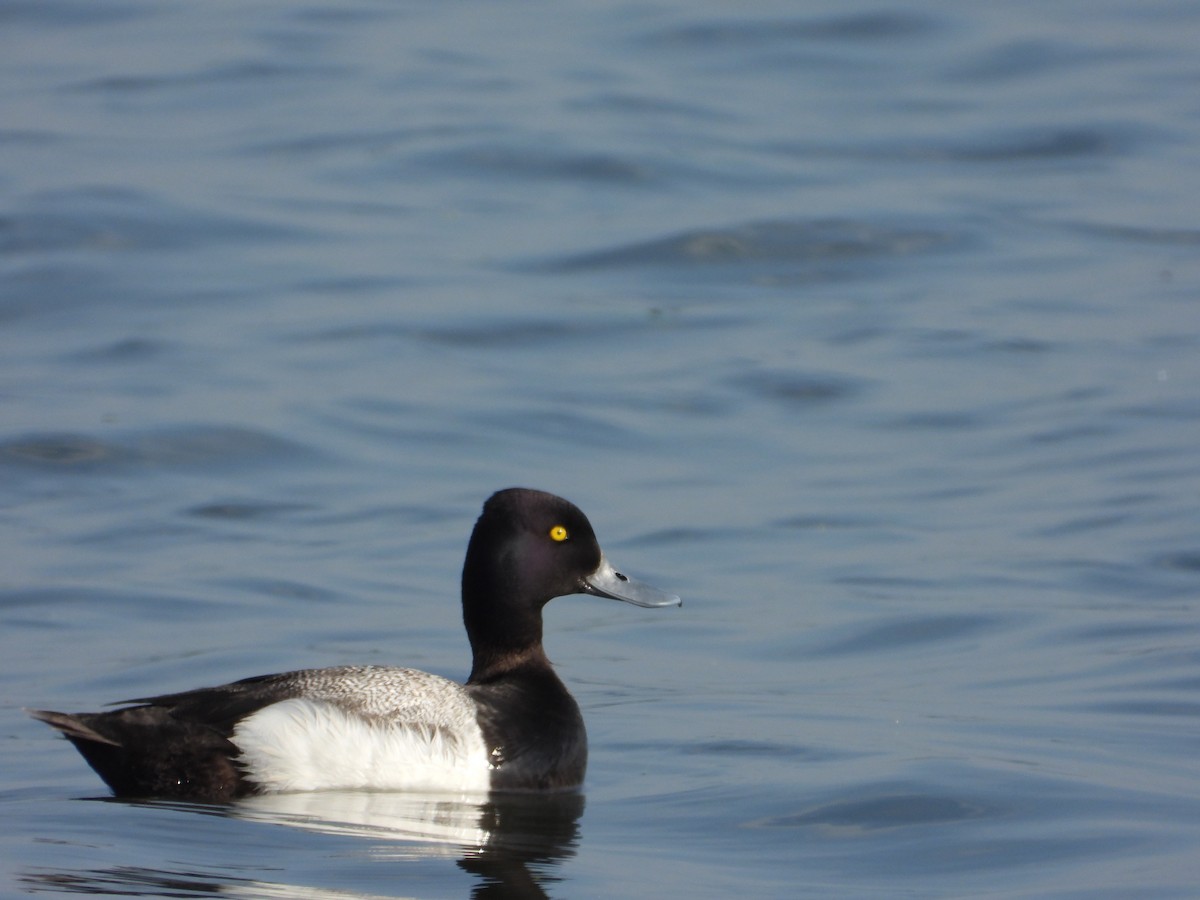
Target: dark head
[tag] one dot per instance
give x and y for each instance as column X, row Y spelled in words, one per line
column 527, row 548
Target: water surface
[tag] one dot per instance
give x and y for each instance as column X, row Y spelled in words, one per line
column 872, row 332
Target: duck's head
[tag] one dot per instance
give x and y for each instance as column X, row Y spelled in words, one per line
column 527, row 548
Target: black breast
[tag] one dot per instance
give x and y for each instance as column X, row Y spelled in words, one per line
column 533, row 730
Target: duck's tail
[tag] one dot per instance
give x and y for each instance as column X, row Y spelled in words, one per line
column 144, row 751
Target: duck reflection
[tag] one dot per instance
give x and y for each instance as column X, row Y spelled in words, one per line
column 512, row 843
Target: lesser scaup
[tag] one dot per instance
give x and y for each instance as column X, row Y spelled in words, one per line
column 513, row 725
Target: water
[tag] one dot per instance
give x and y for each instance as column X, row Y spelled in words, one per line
column 871, row 331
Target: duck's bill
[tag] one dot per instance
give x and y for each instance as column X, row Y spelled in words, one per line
column 608, row 582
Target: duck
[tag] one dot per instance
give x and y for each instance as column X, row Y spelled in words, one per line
column 513, row 725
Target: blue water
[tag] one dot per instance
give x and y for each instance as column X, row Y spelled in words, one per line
column 873, row 331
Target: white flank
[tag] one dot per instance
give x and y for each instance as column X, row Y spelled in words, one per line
column 307, row 744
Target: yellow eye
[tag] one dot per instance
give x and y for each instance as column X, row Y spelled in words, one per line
column 558, row 533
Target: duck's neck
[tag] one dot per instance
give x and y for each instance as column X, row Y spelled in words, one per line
column 491, row 665
column 504, row 631
column 500, row 643
column 501, row 611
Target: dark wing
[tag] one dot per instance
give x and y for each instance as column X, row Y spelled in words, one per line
column 223, row 706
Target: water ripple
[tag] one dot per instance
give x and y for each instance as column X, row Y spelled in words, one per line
column 491, row 161
column 886, row 810
column 783, row 242
column 909, row 632
column 730, row 34
column 797, row 390
column 174, row 448
column 120, row 220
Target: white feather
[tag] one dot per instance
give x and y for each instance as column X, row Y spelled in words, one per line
column 307, row 744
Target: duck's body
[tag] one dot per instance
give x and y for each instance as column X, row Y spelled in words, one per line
column 512, row 726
